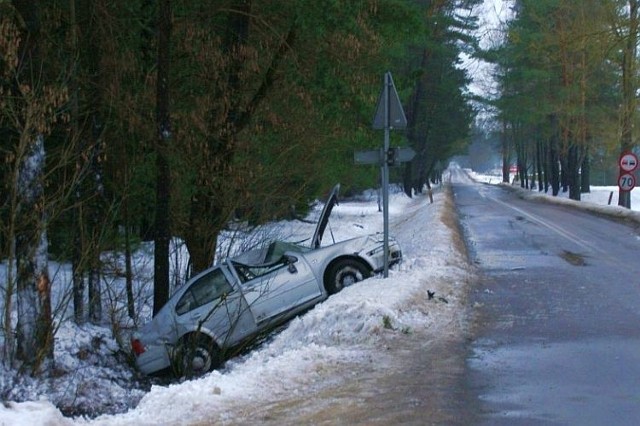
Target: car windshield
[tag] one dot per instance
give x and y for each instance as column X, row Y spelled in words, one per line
column 269, row 259
column 250, row 272
column 277, row 249
column 268, row 254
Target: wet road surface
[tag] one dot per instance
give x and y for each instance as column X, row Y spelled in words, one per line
column 556, row 312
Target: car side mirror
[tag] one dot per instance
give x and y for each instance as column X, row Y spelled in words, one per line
column 290, row 260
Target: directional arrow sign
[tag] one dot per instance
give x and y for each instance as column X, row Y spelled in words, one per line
column 399, row 155
column 367, row 157
column 628, row 162
column 404, row 155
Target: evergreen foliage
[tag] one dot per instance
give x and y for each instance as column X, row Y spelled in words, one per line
column 564, row 74
column 266, row 103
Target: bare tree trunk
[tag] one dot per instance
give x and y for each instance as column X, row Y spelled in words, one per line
column 554, row 156
column 629, row 91
column 573, row 172
column 131, row 309
column 415, row 131
column 76, row 256
column 92, row 137
column 539, row 172
column 34, row 329
column 407, row 179
column 506, row 157
column 9, row 291
column 77, row 272
column 564, row 173
column 546, row 165
column 163, row 179
column 585, row 175
column 208, row 212
column 95, row 295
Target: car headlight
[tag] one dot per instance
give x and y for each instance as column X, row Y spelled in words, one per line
column 375, row 251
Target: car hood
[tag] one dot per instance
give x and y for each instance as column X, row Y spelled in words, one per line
column 324, row 217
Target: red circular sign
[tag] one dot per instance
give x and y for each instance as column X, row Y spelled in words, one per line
column 626, row 182
column 628, row 162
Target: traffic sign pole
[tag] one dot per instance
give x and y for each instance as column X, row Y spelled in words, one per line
column 385, row 175
column 389, row 115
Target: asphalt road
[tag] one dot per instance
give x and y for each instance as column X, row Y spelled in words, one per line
column 556, row 312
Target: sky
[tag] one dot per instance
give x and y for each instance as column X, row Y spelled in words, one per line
column 341, row 334
column 492, row 18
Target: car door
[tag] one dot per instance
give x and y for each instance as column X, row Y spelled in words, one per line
column 214, row 306
column 280, row 288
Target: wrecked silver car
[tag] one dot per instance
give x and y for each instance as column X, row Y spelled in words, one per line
column 231, row 303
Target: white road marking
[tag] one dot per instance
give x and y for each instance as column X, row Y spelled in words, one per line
column 563, row 233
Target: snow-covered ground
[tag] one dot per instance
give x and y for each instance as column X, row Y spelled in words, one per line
column 346, row 330
column 601, row 199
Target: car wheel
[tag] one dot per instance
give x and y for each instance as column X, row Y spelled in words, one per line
column 344, row 273
column 196, row 356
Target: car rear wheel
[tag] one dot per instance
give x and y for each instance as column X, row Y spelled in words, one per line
column 196, row 356
column 345, row 273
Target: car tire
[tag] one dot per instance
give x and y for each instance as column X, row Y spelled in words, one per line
column 197, row 355
column 345, row 273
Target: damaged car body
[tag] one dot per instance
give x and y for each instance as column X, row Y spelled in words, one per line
column 234, row 301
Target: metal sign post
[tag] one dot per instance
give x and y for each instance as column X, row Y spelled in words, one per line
column 389, row 115
column 385, row 175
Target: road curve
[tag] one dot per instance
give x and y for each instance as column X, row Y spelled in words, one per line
column 556, row 312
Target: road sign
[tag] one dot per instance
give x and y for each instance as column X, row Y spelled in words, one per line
column 628, row 162
column 626, row 182
column 389, row 115
column 389, row 107
column 368, row 157
column 404, row 154
column 394, row 156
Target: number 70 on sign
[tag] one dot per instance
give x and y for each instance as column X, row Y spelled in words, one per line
column 626, row 182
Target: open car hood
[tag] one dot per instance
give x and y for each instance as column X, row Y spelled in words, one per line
column 324, row 217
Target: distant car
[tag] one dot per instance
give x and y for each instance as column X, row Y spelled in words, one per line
column 230, row 303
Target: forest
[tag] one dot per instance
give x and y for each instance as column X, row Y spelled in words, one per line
column 124, row 122
column 565, row 100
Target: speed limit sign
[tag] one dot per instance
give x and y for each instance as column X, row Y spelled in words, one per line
column 626, row 182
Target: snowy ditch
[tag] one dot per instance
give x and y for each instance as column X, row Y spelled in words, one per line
column 323, row 349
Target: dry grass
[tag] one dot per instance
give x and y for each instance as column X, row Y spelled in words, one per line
column 450, row 218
